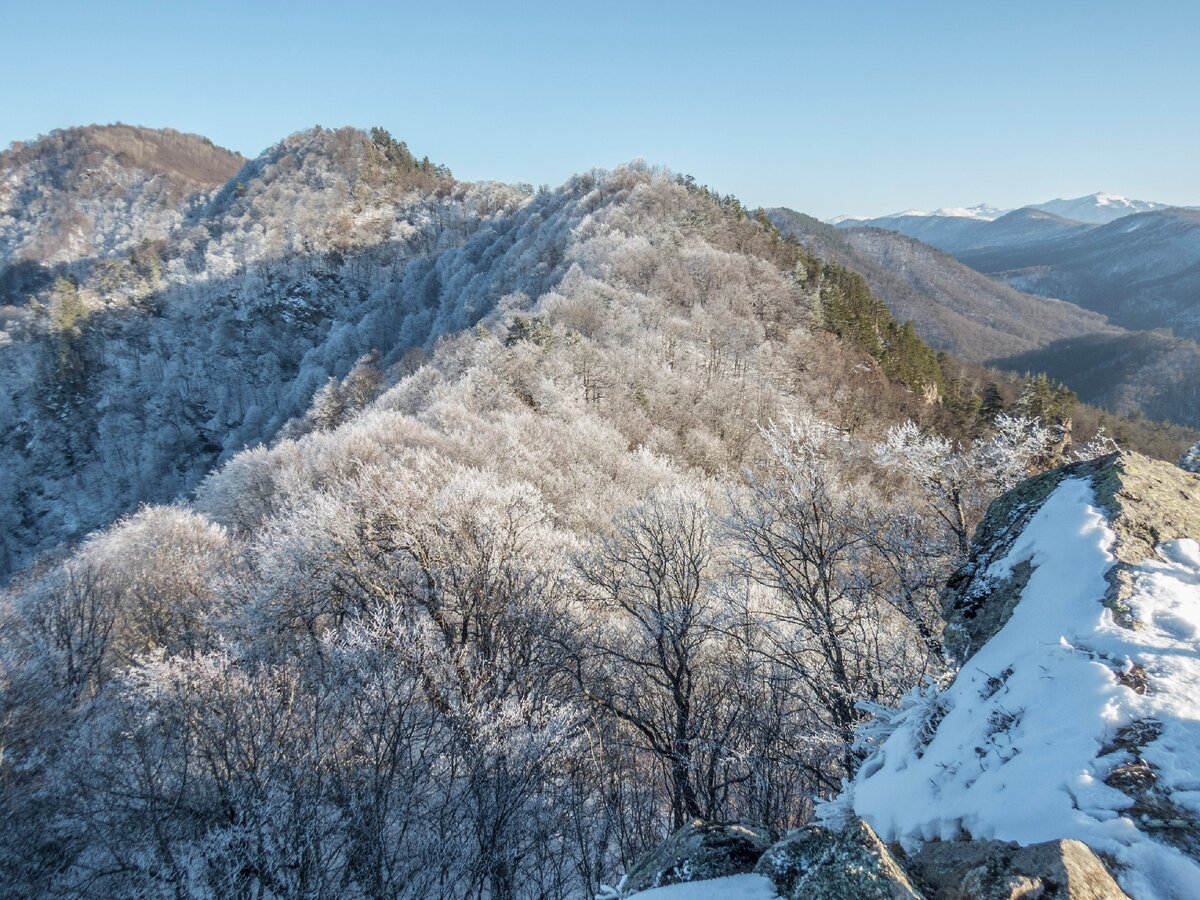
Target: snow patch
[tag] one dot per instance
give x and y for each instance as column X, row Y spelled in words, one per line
column 1026, row 741
column 732, row 887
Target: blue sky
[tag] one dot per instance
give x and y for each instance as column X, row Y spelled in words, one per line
column 839, row 107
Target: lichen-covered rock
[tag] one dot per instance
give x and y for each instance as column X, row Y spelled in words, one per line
column 822, row 864
column 1145, row 501
column 699, row 851
column 996, row 870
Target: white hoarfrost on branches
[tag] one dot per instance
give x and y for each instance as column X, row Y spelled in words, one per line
column 490, row 578
column 959, row 481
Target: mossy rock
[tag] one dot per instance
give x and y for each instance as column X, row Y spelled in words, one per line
column 848, row 864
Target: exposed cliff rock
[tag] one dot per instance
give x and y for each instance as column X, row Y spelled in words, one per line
column 996, row 870
column 1146, row 503
column 1077, row 624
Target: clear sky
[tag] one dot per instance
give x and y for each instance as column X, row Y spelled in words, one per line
column 837, row 107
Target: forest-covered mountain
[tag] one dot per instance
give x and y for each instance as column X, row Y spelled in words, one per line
column 131, row 372
column 86, row 192
column 490, row 534
column 1140, row 269
column 954, row 308
column 976, row 317
column 196, row 322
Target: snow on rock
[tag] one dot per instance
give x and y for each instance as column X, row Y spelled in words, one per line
column 1077, row 718
column 732, row 887
column 848, row 862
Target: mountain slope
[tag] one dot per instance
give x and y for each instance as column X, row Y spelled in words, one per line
column 1129, row 372
column 128, row 383
column 100, row 190
column 328, row 265
column 978, row 318
column 954, row 308
column 1142, row 271
column 395, row 581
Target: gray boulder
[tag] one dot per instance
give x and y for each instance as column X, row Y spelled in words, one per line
column 848, row 864
column 996, row 870
column 700, row 851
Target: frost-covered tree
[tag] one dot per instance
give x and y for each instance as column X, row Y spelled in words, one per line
column 653, row 661
column 959, row 482
column 809, row 535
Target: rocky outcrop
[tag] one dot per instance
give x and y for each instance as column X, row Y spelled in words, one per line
column 1145, row 501
column 1076, row 628
column 1190, row 461
column 999, row 870
column 697, row 852
column 852, row 863
column 822, row 863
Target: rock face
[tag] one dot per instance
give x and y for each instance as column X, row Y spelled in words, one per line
column 820, row 863
column 997, row 870
column 697, row 852
column 1146, row 502
column 852, row 863
column 1076, row 627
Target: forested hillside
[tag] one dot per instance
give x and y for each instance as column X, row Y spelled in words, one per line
column 85, row 192
column 493, row 534
column 130, row 375
column 981, row 319
column 955, row 308
column 1140, row 271
column 1132, row 262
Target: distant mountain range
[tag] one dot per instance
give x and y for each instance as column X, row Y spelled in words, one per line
column 1095, row 209
column 1136, row 262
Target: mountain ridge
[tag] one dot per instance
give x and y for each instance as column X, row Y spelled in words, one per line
column 78, row 192
column 1093, row 209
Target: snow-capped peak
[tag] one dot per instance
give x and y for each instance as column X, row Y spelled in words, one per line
column 1099, row 208
column 983, row 211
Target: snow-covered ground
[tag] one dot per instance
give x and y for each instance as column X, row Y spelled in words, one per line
column 1015, row 748
column 734, row 887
